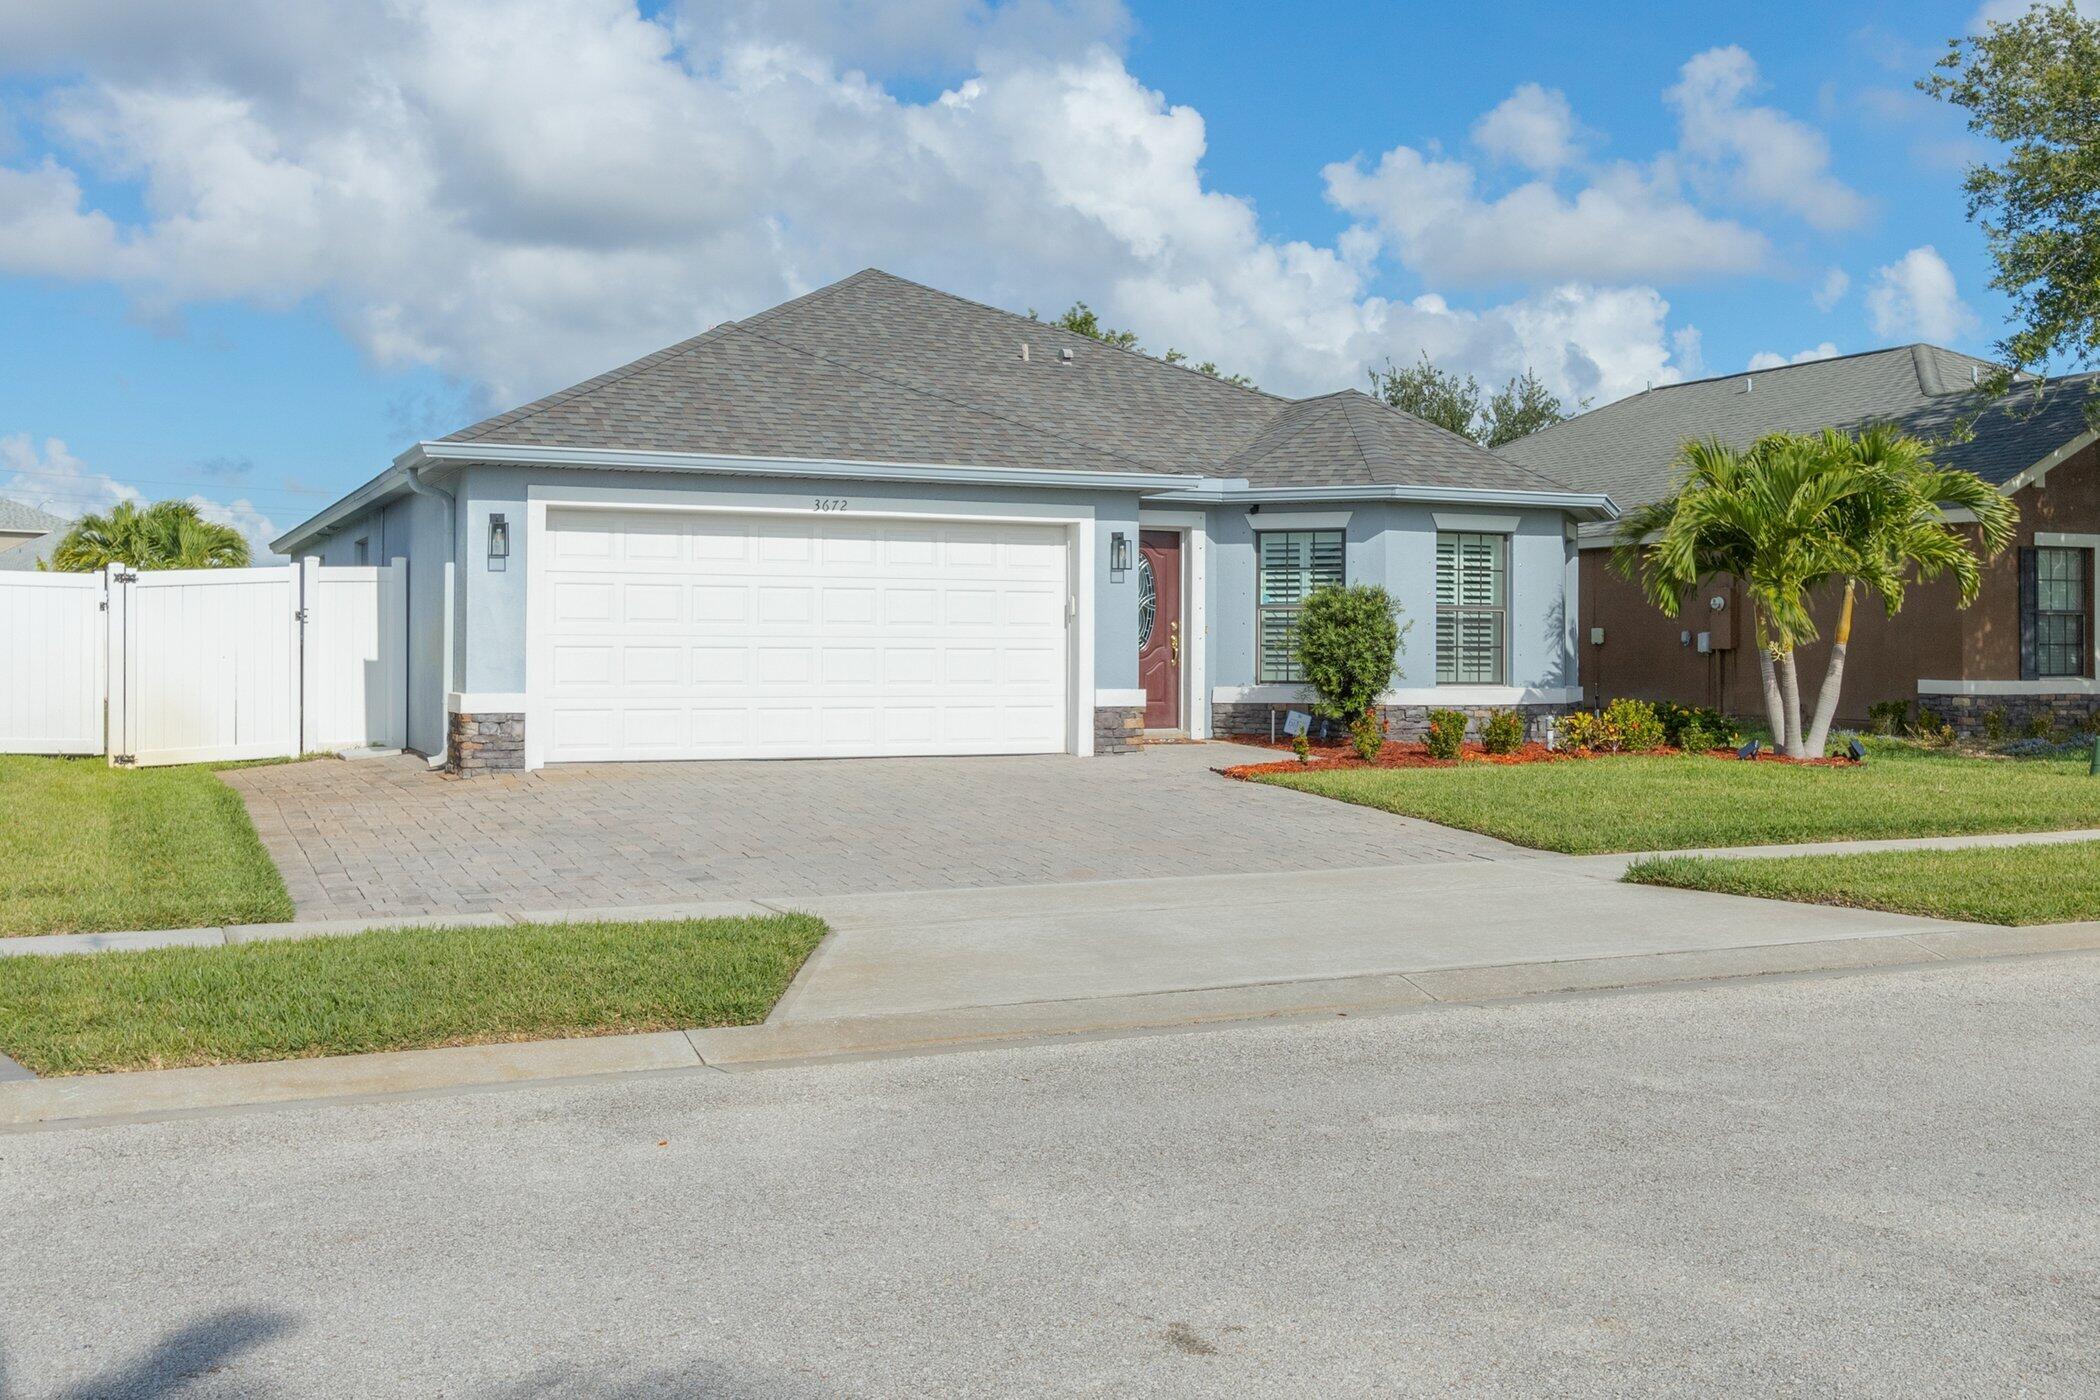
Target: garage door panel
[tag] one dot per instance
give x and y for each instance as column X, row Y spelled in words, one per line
column 703, row 636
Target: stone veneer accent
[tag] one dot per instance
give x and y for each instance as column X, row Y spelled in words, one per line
column 1403, row 723
column 2068, row 711
column 487, row 743
column 1118, row 728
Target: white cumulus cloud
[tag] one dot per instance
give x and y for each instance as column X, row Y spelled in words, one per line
column 520, row 194
column 1760, row 155
column 50, row 477
column 1766, row 359
column 1534, row 127
column 1914, row 298
column 1831, row 289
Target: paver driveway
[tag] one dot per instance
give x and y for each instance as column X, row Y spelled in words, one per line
column 385, row 836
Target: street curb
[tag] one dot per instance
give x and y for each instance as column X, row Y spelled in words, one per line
column 232, row 935
column 145, row 1095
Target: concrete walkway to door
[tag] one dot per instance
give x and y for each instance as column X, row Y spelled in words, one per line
column 383, row 837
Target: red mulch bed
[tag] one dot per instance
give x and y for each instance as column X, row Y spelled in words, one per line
column 1397, row 755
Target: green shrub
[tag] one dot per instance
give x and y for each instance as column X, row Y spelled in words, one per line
column 1994, row 726
column 2091, row 723
column 1677, row 718
column 1694, row 738
column 1447, row 733
column 1368, row 735
column 1503, row 732
column 1583, row 729
column 1930, row 729
column 1348, row 643
column 2040, row 727
column 1632, row 726
column 1889, row 717
column 1301, row 745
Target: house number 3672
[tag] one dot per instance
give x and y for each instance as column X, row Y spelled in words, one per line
column 831, row 503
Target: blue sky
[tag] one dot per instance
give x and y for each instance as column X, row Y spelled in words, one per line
column 253, row 254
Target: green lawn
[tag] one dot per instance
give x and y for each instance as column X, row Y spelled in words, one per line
column 86, row 848
column 1992, row 885
column 1673, row 802
column 393, row 989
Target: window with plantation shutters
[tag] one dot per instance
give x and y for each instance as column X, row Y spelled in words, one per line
column 1293, row 564
column 1472, row 609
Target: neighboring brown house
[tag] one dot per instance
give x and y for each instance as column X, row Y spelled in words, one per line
column 2024, row 647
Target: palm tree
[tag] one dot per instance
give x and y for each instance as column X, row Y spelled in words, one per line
column 165, row 535
column 1760, row 515
column 1794, row 512
column 1896, row 530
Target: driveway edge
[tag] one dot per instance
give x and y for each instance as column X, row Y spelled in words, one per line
column 151, row 1094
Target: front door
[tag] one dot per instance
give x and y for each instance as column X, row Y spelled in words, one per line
column 1159, row 626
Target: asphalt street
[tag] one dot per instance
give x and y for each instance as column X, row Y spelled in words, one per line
column 1876, row 1184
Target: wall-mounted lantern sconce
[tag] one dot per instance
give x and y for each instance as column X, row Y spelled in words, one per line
column 1118, row 552
column 499, row 542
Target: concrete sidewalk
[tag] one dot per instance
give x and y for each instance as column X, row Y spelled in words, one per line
column 892, row 954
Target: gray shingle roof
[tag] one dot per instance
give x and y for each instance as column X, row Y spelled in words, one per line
column 876, row 368
column 1628, row 449
column 14, row 515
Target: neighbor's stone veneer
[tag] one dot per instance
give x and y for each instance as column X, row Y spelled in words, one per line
column 488, row 743
column 1118, row 728
column 2067, row 711
column 1403, row 723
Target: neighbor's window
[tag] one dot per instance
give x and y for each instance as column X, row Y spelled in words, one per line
column 2059, row 596
column 1472, row 609
column 364, row 549
column 1293, row 563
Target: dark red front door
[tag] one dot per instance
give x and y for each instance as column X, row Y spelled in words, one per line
column 1159, row 627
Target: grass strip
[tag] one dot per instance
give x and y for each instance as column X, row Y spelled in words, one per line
column 1986, row 884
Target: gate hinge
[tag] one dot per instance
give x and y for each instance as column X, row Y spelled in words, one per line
column 125, row 577
column 124, row 760
column 299, row 615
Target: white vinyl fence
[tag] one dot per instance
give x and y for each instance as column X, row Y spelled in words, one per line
column 204, row 665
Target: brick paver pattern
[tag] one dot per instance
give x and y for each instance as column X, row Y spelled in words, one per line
column 382, row 836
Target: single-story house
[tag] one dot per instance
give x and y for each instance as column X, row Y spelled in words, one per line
column 2024, row 647
column 882, row 520
column 28, row 534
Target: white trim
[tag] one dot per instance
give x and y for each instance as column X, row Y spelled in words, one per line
column 1194, row 528
column 2038, row 474
column 1476, row 524
column 1595, row 504
column 1417, row 695
column 486, row 702
column 1079, row 534
column 1117, row 698
column 2057, row 539
column 2047, row 685
column 824, row 468
column 1299, row 520
column 1151, row 519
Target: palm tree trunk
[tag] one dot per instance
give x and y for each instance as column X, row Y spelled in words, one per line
column 1775, row 708
column 1833, row 675
column 1790, row 686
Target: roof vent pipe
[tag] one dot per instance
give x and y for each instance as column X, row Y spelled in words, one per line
column 1065, row 355
column 1024, row 352
column 1748, row 385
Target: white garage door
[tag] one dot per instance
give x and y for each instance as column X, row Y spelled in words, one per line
column 683, row 635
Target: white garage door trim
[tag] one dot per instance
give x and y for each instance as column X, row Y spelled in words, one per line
column 1078, row 534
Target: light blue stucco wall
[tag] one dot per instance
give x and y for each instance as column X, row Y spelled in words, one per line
column 1395, row 546
column 411, row 528
column 492, row 604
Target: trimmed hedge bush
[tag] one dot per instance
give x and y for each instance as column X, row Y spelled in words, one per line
column 1503, row 733
column 1348, row 644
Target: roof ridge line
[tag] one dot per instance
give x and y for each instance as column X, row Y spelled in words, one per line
column 1297, row 427
column 1053, row 326
column 943, row 398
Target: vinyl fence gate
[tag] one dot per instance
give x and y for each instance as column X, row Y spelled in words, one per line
column 204, row 665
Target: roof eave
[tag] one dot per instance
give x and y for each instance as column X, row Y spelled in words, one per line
column 1583, row 505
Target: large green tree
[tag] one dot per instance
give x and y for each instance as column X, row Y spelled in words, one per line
column 1794, row 512
column 164, row 535
column 2032, row 85
column 1457, row 403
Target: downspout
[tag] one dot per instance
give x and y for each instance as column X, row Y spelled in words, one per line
column 414, row 476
